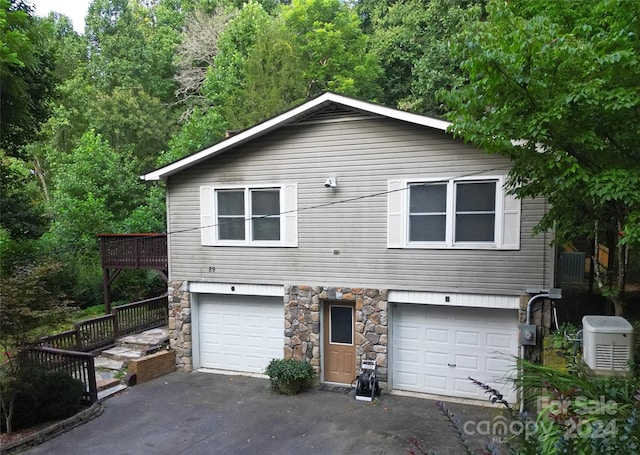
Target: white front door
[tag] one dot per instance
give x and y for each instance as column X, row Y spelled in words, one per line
column 240, row 333
column 436, row 349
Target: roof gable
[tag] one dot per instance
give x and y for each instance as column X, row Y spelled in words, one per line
column 320, row 108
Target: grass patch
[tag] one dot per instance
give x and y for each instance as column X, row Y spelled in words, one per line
column 88, row 313
column 553, row 357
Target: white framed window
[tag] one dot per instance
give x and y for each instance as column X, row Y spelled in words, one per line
column 249, row 216
column 464, row 213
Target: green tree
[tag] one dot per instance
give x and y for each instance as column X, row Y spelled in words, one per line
column 265, row 63
column 554, row 86
column 203, row 128
column 130, row 45
column 30, row 297
column 225, row 76
column 412, row 40
column 26, row 74
column 272, row 81
column 333, row 48
column 23, row 215
column 258, row 71
column 94, row 189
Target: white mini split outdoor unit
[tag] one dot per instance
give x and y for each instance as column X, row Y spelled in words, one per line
column 607, row 344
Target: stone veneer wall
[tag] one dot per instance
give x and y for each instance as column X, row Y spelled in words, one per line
column 541, row 317
column 302, row 316
column 180, row 324
column 302, row 313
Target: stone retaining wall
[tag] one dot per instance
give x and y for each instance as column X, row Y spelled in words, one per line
column 541, row 317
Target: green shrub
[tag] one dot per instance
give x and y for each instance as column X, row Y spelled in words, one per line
column 559, row 337
column 287, row 375
column 44, row 396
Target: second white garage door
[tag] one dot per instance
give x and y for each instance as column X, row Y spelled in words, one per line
column 240, row 333
column 436, row 349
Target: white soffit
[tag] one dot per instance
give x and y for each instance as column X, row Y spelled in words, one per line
column 288, row 117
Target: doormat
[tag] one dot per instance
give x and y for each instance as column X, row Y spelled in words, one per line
column 335, row 388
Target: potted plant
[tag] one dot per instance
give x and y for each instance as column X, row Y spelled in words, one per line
column 287, row 376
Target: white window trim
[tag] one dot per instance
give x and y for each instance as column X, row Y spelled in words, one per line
column 507, row 217
column 288, row 216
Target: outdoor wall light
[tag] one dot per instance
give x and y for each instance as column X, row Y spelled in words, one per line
column 331, row 182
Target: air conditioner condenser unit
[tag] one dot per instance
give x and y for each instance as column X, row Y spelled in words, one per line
column 607, row 344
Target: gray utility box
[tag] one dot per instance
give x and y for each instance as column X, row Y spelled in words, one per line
column 607, row 344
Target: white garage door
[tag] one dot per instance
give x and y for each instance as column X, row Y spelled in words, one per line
column 240, row 333
column 436, row 349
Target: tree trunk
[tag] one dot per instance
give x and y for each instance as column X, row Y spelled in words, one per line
column 8, row 413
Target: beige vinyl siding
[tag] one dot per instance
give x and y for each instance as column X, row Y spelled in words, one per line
column 346, row 243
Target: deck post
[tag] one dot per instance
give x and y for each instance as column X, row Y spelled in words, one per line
column 106, row 286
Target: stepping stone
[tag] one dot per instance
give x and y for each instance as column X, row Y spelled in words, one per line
column 121, row 353
column 151, row 337
column 108, row 364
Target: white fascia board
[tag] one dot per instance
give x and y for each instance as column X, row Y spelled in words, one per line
column 283, row 119
column 392, row 113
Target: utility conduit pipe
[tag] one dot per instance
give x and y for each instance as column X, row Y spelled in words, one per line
column 551, row 294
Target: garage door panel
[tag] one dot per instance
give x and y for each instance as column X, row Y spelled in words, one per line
column 464, row 388
column 240, row 333
column 498, row 365
column 467, row 361
column 408, row 356
column 436, row 359
column 254, row 342
column 476, row 342
column 435, row 382
column 467, row 338
column 499, row 341
column 232, row 321
column 255, row 322
column 437, row 336
column 409, row 332
column 468, row 317
column 410, row 379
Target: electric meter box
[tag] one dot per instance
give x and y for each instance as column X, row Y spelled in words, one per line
column 607, row 344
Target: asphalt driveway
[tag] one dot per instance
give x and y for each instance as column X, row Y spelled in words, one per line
column 203, row 413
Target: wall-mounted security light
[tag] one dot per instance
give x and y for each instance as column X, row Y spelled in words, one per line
column 331, row 182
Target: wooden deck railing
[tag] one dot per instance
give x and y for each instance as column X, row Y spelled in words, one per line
column 134, row 251
column 104, row 330
column 78, row 365
column 140, row 316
